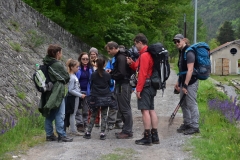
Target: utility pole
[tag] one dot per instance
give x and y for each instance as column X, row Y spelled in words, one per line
column 185, row 26
column 195, row 23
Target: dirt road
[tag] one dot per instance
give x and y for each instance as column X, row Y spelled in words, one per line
column 170, row 147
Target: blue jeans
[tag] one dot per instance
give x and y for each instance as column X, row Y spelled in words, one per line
column 58, row 115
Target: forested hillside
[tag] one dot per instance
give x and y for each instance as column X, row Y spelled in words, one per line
column 97, row 22
column 215, row 12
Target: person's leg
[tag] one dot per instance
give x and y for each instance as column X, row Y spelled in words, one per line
column 104, row 110
column 85, row 112
column 186, row 114
column 193, row 108
column 73, row 128
column 119, row 122
column 72, row 117
column 59, row 123
column 111, row 119
column 146, row 105
column 146, row 119
column 49, row 127
column 147, row 139
column 92, row 120
column 91, row 124
column 97, row 120
column 124, row 97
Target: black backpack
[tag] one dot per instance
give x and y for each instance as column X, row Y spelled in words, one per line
column 41, row 78
column 161, row 67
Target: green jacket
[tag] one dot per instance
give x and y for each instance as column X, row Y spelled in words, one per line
column 60, row 77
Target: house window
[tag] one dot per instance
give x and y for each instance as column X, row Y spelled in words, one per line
column 233, row 51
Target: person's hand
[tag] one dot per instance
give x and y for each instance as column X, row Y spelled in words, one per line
column 129, row 60
column 108, row 70
column 138, row 95
column 177, row 88
column 83, row 96
column 184, row 90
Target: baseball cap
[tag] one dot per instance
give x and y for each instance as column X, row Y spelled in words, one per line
column 178, row 37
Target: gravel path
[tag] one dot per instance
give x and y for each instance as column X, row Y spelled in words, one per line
column 170, row 147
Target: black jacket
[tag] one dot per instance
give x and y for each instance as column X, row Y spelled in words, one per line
column 100, row 86
column 182, row 65
column 121, row 71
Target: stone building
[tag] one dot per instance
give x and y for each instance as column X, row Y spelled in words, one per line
column 225, row 59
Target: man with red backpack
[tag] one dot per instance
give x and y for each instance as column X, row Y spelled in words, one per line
column 144, row 90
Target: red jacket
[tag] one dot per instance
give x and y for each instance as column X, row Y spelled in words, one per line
column 145, row 69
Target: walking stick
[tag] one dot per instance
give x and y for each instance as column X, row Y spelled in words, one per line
column 175, row 111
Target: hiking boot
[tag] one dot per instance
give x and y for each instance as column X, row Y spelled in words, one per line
column 122, row 135
column 182, row 128
column 80, row 128
column 110, row 126
column 76, row 133
column 87, row 135
column 155, row 138
column 118, row 126
column 102, row 136
column 51, row 138
column 65, row 139
column 146, row 140
column 191, row 131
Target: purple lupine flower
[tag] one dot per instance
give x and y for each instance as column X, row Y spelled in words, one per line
column 13, row 123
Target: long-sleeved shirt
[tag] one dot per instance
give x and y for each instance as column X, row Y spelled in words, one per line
column 74, row 86
column 145, row 63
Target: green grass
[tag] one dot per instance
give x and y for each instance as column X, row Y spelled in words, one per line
column 21, row 95
column 225, row 79
column 219, row 139
column 28, row 132
column 34, row 39
column 119, row 154
column 15, row 46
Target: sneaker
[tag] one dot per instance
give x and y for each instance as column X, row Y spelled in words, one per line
column 110, row 126
column 76, row 133
column 51, row 138
column 87, row 135
column 191, row 131
column 102, row 136
column 122, row 135
column 65, row 139
column 182, row 128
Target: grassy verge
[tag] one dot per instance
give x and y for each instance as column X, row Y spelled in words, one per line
column 119, row 154
column 28, row 132
column 219, row 139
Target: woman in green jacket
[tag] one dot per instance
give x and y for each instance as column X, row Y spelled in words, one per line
column 52, row 104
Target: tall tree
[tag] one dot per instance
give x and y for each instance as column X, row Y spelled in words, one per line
column 226, row 33
column 237, row 32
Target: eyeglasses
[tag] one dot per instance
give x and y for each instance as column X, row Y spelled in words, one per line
column 85, row 59
column 177, row 41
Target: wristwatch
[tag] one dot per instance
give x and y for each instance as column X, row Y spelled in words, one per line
column 185, row 86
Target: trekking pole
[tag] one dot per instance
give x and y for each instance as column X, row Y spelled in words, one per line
column 175, row 111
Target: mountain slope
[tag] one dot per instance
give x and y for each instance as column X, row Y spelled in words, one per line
column 215, row 12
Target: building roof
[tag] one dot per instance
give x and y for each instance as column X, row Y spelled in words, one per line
column 225, row 45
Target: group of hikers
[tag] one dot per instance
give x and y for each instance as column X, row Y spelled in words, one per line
column 101, row 93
